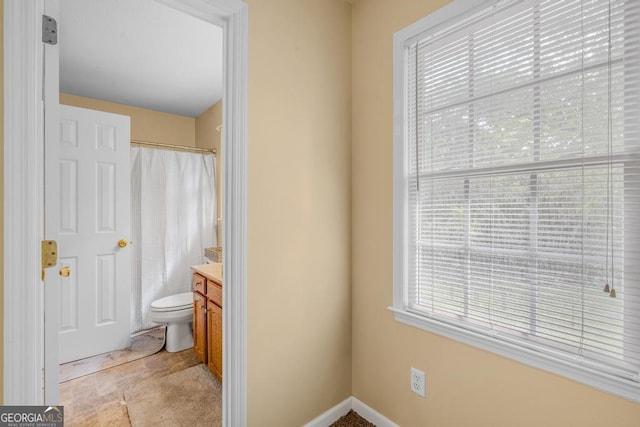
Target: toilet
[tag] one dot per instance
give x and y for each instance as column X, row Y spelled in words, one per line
column 175, row 311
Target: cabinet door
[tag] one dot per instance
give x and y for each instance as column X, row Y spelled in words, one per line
column 200, row 326
column 214, row 338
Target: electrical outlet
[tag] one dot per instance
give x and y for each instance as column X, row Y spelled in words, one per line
column 418, row 383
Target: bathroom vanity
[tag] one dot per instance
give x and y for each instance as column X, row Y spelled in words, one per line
column 207, row 315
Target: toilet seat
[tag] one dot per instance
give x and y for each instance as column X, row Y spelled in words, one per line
column 173, row 302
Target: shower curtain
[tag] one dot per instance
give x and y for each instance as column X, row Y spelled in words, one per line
column 173, row 210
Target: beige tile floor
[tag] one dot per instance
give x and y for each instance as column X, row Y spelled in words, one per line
column 97, row 399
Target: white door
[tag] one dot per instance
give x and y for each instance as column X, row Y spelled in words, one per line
column 90, row 215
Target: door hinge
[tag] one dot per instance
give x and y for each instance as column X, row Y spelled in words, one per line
column 49, row 254
column 49, row 30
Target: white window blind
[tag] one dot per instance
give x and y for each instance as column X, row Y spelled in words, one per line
column 521, row 137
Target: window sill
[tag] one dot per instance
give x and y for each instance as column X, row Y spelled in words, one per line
column 621, row 387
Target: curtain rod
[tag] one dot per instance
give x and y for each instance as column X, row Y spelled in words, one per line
column 173, row 146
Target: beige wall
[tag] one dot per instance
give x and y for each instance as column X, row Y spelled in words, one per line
column 299, row 221
column 208, row 137
column 206, row 134
column 146, row 125
column 465, row 386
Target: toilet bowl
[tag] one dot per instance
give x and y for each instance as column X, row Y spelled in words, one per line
column 175, row 311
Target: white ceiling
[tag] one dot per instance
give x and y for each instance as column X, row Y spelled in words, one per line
column 139, row 53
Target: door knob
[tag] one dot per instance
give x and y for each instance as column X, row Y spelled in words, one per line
column 122, row 243
column 65, row 271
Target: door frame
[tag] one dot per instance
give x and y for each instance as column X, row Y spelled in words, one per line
column 24, row 133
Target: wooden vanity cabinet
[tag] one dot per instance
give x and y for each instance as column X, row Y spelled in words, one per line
column 207, row 322
column 200, row 326
column 214, row 328
column 214, row 339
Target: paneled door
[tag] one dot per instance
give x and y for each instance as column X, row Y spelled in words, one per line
column 88, row 205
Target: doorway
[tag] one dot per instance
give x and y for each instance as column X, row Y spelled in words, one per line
column 162, row 70
column 26, row 354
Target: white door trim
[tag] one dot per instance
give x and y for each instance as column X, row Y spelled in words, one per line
column 23, row 199
column 52, row 287
column 23, row 208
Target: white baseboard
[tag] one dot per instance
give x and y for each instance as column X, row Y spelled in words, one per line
column 332, row 415
column 370, row 414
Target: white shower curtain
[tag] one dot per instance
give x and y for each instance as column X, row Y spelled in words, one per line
column 173, row 207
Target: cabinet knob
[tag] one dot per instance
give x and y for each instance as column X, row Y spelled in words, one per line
column 65, row 271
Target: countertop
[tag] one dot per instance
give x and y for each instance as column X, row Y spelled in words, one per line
column 211, row 271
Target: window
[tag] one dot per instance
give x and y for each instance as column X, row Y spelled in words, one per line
column 517, row 183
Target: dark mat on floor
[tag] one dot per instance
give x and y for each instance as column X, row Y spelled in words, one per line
column 352, row 419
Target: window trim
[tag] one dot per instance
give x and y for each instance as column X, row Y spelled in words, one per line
column 627, row 388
